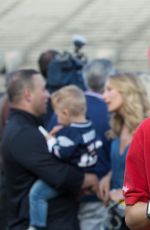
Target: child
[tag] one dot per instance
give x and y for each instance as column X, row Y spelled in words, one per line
column 76, row 143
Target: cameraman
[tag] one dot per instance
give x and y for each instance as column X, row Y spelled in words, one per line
column 44, row 59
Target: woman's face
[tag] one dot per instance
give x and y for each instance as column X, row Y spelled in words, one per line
column 112, row 97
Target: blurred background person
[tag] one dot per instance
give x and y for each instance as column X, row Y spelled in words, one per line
column 44, row 60
column 4, row 114
column 92, row 211
column 4, row 111
column 145, row 78
column 96, row 72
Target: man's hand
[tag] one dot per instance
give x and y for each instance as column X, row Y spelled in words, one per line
column 91, row 184
column 104, row 187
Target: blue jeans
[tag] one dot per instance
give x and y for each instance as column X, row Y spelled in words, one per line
column 39, row 195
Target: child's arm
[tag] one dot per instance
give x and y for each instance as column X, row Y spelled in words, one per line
column 55, row 130
column 43, row 131
column 51, row 140
column 62, row 146
column 48, row 135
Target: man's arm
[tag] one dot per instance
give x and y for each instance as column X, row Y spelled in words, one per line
column 104, row 186
column 136, row 218
column 31, row 152
column 90, row 184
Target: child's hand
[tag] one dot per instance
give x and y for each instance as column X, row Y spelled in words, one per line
column 55, row 130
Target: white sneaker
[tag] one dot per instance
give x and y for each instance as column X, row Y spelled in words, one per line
column 31, row 228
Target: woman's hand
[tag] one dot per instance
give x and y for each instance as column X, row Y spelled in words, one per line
column 116, row 195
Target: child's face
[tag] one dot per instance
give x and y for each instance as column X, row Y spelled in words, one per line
column 63, row 116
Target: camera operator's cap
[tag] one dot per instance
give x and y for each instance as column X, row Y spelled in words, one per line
column 79, row 38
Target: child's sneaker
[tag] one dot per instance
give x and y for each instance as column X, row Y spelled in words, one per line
column 32, row 228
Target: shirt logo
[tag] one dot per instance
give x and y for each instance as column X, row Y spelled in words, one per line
column 125, row 189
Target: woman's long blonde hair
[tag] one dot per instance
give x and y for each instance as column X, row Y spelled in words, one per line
column 135, row 105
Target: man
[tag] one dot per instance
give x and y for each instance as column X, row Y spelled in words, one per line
column 44, row 60
column 137, row 180
column 26, row 158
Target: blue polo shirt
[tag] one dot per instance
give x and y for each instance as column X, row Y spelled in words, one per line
column 117, row 164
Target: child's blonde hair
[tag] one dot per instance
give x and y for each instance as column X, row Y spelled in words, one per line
column 70, row 97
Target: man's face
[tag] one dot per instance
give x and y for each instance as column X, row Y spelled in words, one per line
column 39, row 95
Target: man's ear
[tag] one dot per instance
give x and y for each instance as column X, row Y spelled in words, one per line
column 27, row 94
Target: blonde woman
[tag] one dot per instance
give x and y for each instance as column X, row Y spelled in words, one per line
column 127, row 101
